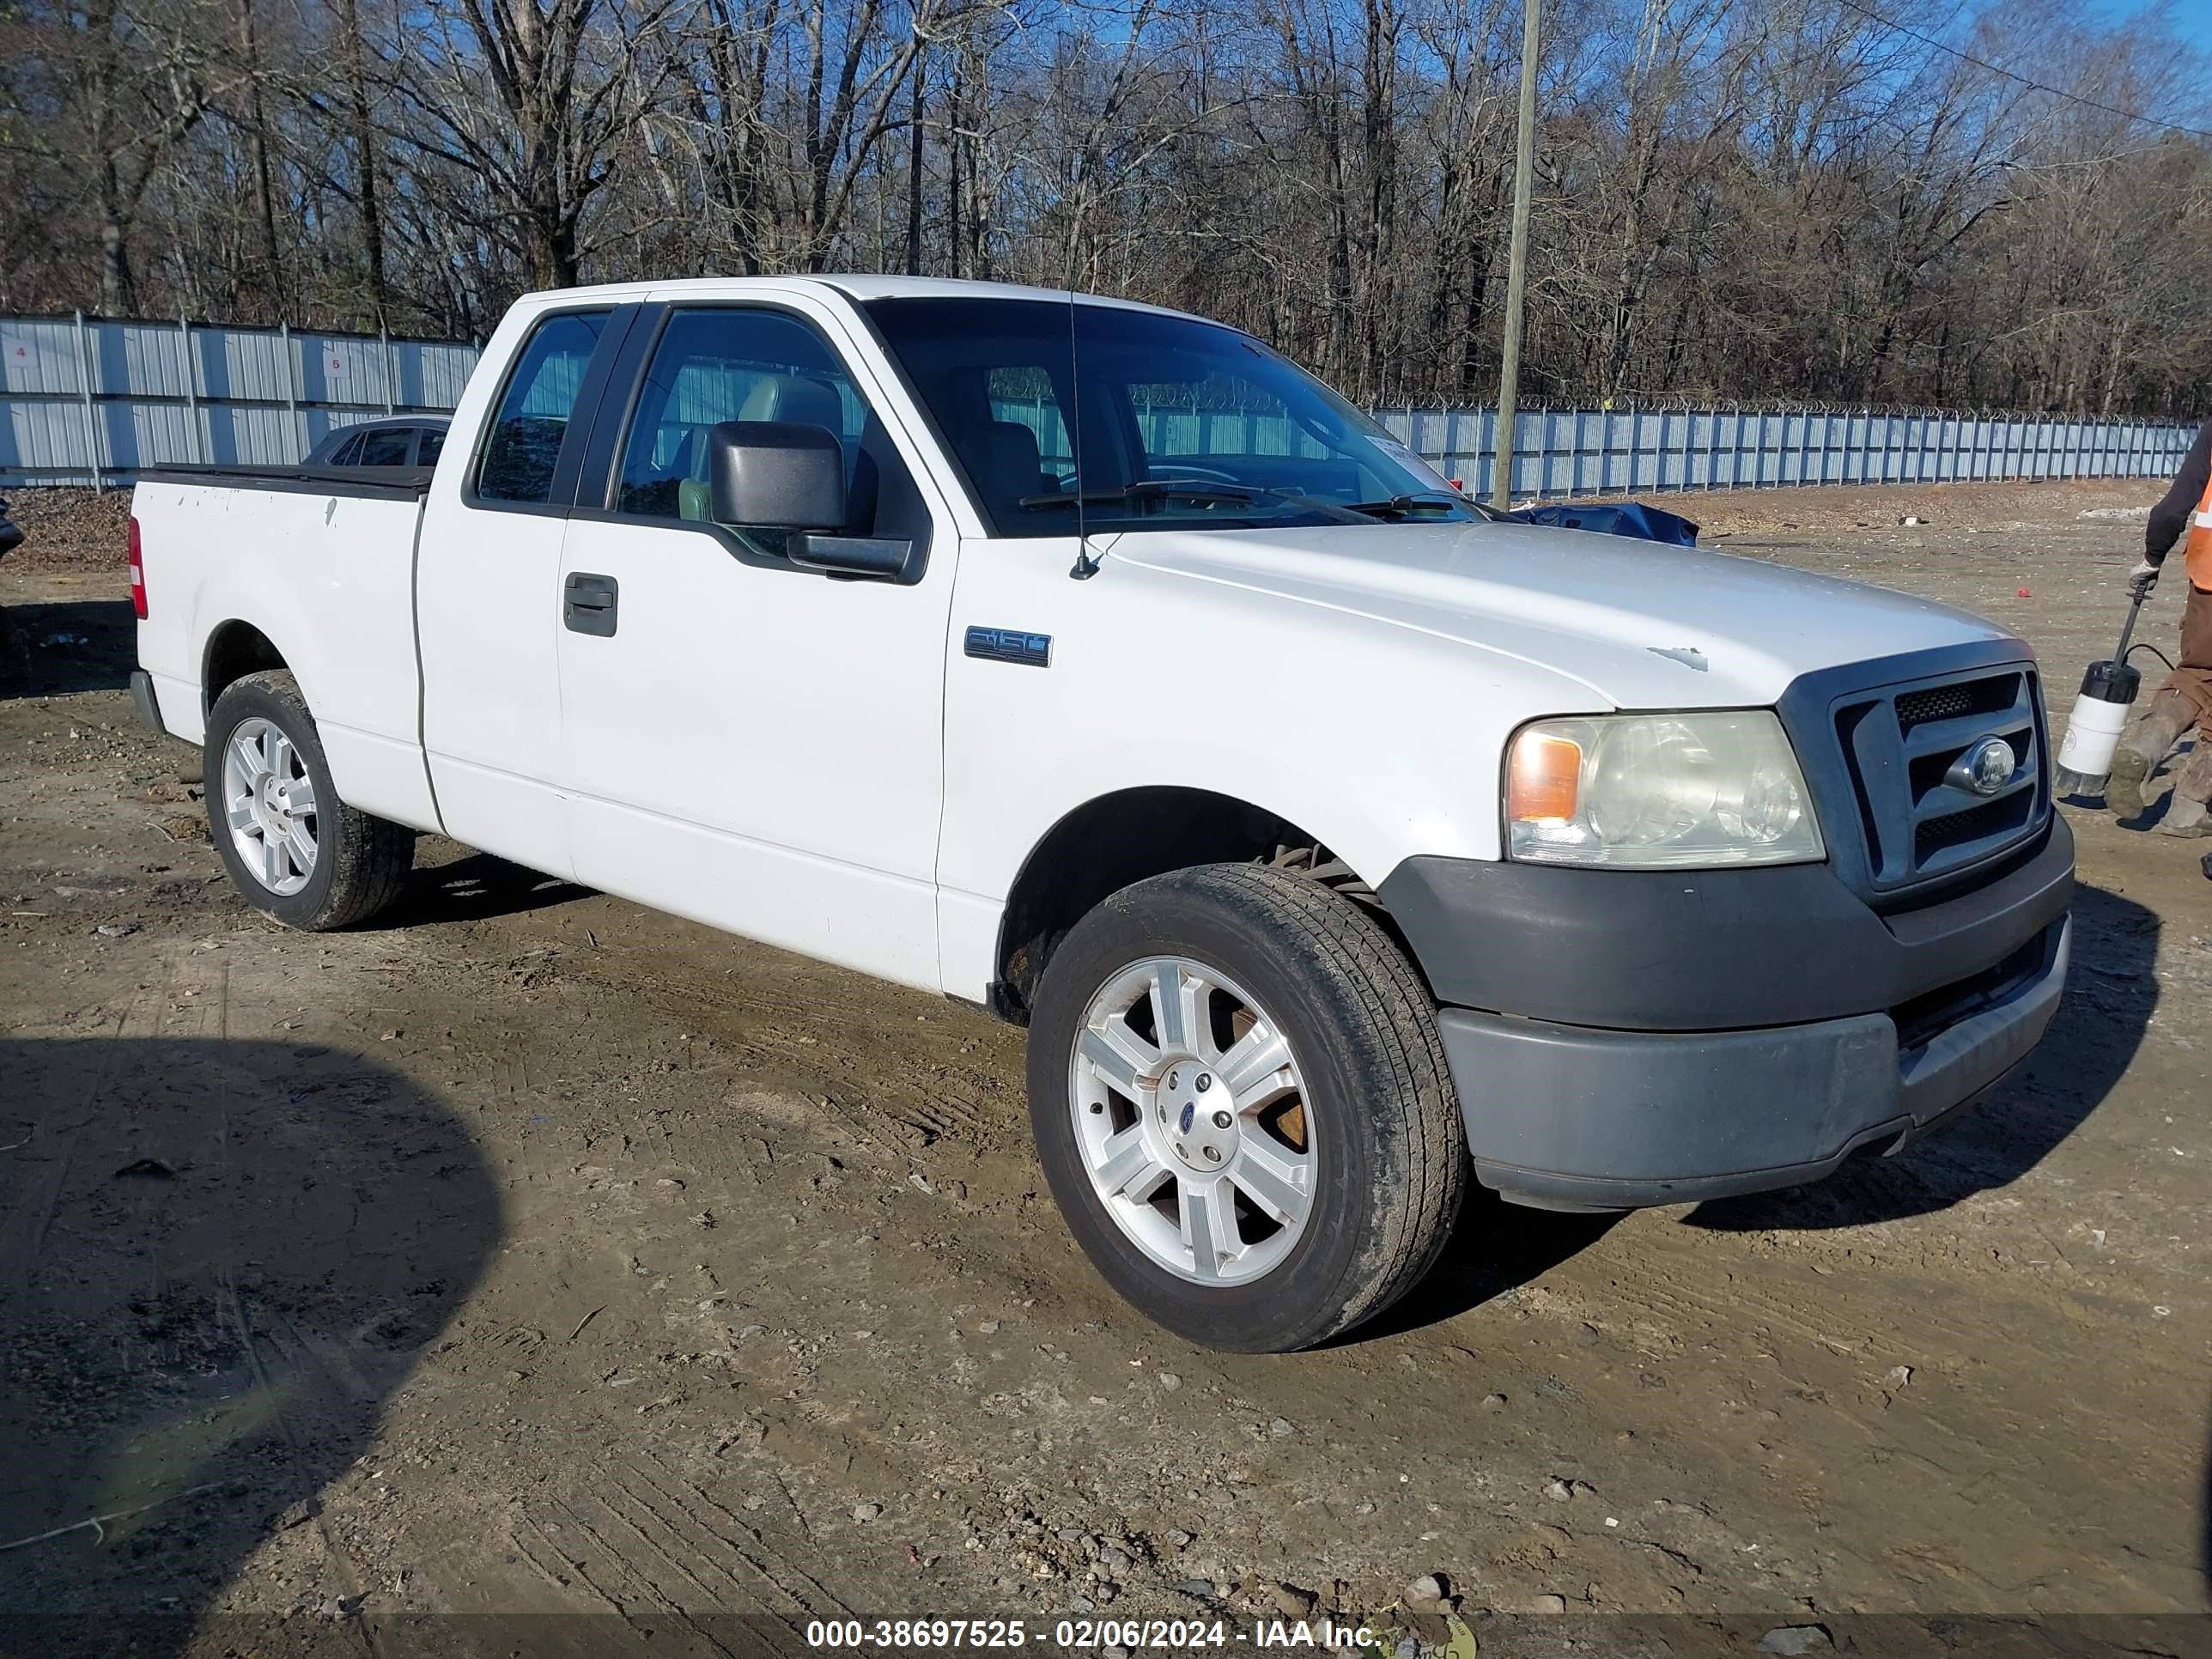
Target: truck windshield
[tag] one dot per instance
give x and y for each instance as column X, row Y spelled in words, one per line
column 1142, row 421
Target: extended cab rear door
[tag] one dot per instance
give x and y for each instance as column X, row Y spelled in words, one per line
column 487, row 597
column 745, row 742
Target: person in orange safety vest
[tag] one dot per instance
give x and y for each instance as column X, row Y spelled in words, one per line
column 2185, row 699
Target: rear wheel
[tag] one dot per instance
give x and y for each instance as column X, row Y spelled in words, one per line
column 1242, row 1105
column 296, row 851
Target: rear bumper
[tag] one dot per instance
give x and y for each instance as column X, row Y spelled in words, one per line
column 1620, row 1040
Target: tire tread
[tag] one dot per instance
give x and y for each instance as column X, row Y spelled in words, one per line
column 1369, row 964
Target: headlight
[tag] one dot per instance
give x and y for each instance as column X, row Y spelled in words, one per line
column 1658, row 792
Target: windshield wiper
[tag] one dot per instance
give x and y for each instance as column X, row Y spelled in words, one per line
column 1174, row 489
column 1145, row 490
column 1404, row 506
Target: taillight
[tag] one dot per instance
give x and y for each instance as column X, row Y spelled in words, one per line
column 137, row 574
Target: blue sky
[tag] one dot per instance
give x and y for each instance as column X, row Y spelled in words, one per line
column 2191, row 19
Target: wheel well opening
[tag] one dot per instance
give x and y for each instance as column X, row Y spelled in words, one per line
column 1106, row 844
column 235, row 650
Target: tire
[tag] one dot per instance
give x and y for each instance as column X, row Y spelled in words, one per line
column 360, row 862
column 1378, row 1144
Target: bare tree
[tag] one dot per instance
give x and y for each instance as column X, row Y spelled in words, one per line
column 1736, row 198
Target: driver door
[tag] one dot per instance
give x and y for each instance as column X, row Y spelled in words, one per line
column 746, row 742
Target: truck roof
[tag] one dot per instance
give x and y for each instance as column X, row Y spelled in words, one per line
column 859, row 287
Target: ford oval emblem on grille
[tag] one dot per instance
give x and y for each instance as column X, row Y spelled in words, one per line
column 1985, row 768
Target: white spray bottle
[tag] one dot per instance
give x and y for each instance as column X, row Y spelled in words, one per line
column 2093, row 731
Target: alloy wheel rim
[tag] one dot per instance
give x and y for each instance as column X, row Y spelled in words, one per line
column 268, row 802
column 1192, row 1122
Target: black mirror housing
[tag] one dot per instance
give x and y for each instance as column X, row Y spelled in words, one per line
column 775, row 474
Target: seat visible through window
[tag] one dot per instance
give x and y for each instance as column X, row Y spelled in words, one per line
column 727, row 363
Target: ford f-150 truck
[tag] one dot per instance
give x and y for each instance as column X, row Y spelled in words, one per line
column 1338, row 845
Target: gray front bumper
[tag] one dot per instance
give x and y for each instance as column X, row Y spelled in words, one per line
column 1571, row 1117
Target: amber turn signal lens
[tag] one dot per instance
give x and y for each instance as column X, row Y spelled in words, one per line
column 1544, row 780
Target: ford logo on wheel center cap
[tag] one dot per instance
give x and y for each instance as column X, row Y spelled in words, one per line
column 1985, row 768
column 1189, row 1114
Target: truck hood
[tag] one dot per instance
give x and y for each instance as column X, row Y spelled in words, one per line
column 1639, row 624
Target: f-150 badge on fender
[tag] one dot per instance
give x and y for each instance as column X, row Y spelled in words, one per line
column 1011, row 645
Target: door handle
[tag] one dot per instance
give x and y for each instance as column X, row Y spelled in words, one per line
column 588, row 604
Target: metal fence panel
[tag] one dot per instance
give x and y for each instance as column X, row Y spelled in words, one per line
column 96, row 400
column 38, row 355
column 1566, row 453
column 85, row 399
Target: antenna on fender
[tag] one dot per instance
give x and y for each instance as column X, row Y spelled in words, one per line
column 1086, row 566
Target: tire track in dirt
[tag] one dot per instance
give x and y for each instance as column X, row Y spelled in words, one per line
column 769, row 1574
column 1844, row 1387
column 561, row 1552
column 812, row 1038
column 654, row 1539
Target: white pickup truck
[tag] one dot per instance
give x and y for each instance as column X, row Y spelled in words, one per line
column 1337, row 842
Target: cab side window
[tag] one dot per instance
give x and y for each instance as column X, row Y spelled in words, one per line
column 527, row 433
column 728, row 364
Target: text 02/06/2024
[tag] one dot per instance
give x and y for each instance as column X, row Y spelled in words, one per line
column 1085, row 1634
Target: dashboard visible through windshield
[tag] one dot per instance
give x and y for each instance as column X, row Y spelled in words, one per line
column 1097, row 418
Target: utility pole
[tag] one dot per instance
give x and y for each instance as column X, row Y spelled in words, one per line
column 914, row 174
column 1516, row 278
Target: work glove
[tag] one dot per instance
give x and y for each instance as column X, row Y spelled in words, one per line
column 2141, row 580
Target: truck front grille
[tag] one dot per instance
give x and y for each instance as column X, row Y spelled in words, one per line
column 1998, row 818
column 1950, row 703
column 1899, row 745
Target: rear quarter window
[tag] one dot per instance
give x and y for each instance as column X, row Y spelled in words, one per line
column 524, row 442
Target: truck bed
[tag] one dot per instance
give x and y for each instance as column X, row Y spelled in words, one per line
column 321, row 558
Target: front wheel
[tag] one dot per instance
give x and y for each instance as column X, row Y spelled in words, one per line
column 1242, row 1105
column 293, row 849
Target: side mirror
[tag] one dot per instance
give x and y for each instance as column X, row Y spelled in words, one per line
column 775, row 474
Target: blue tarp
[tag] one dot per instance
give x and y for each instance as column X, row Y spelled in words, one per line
column 1649, row 524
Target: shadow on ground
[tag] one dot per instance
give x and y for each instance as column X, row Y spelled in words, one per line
column 218, row 1260
column 1496, row 1247
column 474, row 888
column 78, row 645
column 2112, row 992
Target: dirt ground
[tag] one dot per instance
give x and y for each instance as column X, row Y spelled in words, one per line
column 534, row 1274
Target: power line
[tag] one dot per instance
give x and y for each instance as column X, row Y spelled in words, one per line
column 2009, row 75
